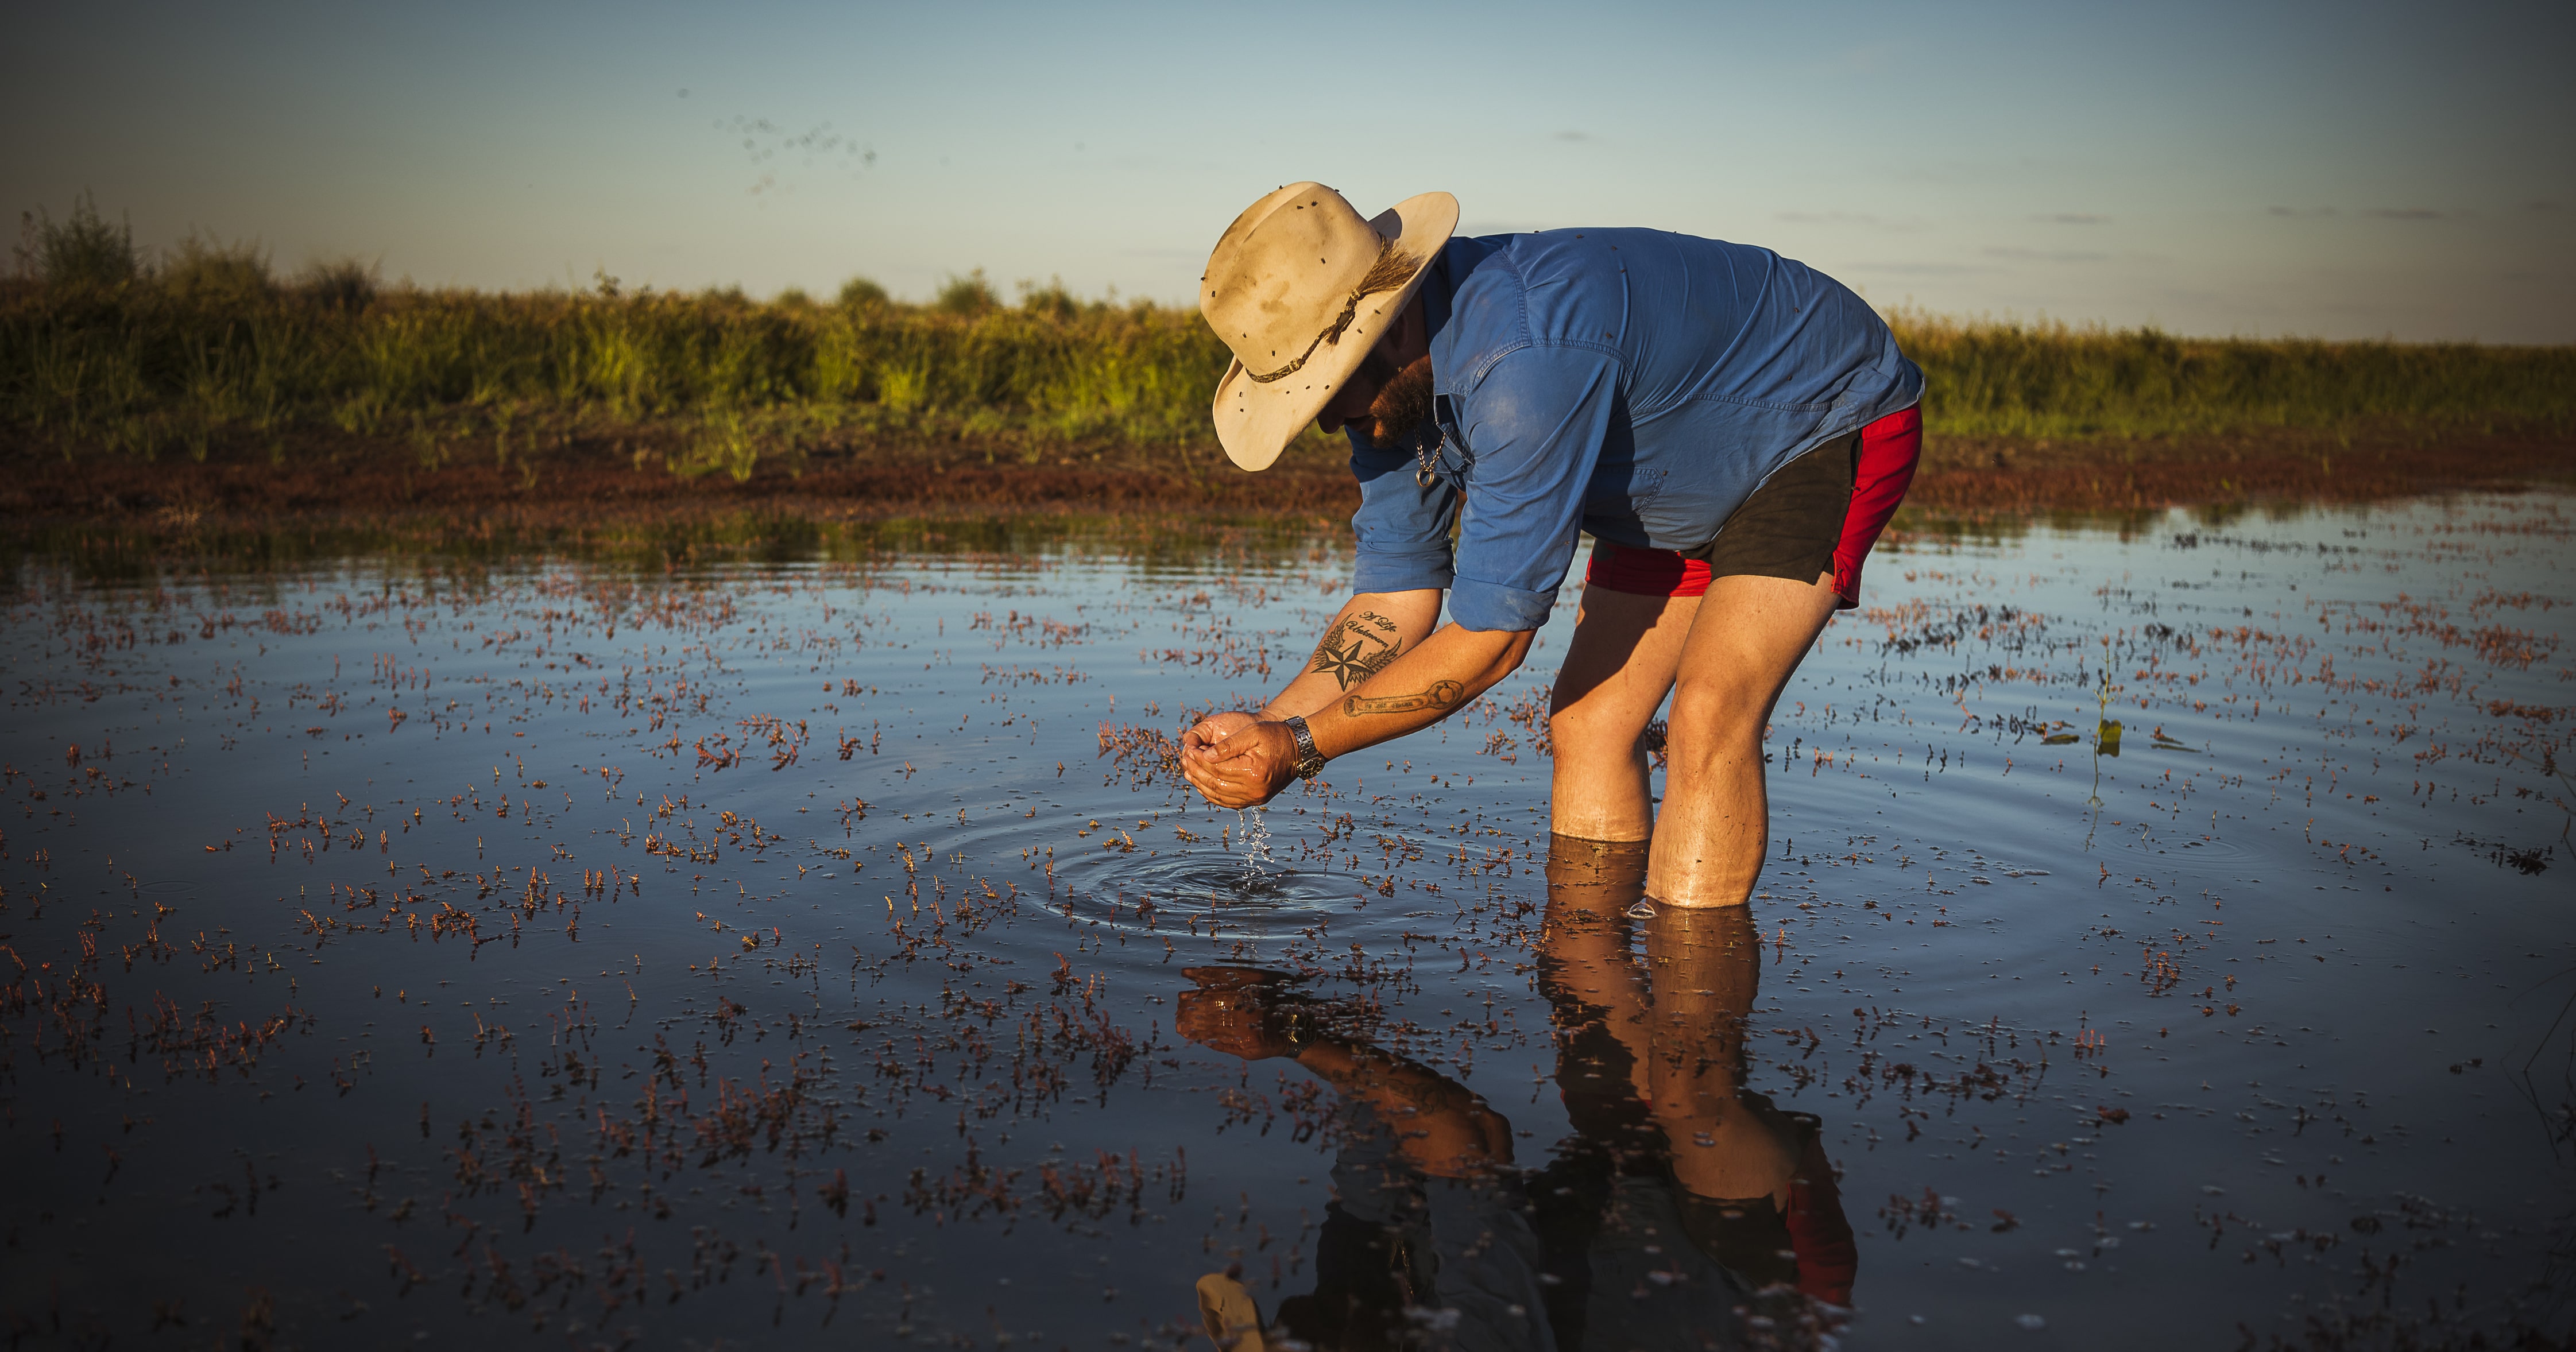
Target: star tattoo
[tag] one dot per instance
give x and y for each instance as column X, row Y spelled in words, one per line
column 1361, row 657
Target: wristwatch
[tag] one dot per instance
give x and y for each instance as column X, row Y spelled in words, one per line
column 1310, row 762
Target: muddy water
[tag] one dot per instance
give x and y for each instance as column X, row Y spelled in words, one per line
column 2166, row 939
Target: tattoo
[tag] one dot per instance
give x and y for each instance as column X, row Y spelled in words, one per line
column 1358, row 648
column 1441, row 695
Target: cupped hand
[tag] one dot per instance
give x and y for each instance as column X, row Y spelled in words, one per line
column 1247, row 768
column 1239, row 1022
column 1207, row 732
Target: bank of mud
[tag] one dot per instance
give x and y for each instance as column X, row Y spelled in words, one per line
column 329, row 481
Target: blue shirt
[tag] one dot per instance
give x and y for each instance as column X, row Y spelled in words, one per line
column 1635, row 384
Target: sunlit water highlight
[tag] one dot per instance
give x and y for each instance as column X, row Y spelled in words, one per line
column 405, row 953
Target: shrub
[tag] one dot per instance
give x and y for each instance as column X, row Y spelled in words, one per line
column 81, row 251
column 345, row 285
column 202, row 270
column 1050, row 301
column 967, row 295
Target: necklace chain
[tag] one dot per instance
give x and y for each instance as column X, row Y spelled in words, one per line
column 1424, row 476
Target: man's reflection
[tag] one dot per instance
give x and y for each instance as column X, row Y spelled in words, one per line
column 1680, row 1192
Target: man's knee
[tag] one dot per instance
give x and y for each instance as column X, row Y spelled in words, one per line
column 1606, row 722
column 1593, row 728
column 1719, row 710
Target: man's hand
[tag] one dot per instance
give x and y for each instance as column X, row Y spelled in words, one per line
column 1207, row 732
column 1246, row 769
column 1235, row 1015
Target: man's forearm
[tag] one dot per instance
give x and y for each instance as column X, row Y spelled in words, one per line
column 1238, row 760
column 1440, row 1124
column 1418, row 689
column 1370, row 633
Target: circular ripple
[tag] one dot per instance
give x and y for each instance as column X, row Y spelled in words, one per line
column 1213, row 879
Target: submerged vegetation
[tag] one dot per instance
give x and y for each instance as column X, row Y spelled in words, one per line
column 106, row 351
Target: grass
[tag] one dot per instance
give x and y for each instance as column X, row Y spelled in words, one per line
column 2056, row 380
column 106, row 352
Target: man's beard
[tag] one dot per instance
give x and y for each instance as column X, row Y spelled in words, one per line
column 1403, row 402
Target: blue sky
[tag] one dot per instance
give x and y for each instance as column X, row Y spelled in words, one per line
column 2247, row 168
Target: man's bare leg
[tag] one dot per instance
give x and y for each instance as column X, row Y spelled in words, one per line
column 1616, row 674
column 1748, row 636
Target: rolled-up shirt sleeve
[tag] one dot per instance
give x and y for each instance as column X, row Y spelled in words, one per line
column 1402, row 527
column 1536, row 423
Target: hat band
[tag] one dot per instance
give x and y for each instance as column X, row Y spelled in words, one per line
column 1391, row 271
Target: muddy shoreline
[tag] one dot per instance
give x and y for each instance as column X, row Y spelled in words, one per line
column 325, row 480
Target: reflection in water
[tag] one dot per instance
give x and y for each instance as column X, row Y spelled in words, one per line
column 1681, row 1195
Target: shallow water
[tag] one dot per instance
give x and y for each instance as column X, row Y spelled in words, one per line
column 405, row 953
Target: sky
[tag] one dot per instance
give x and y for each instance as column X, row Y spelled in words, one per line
column 2241, row 168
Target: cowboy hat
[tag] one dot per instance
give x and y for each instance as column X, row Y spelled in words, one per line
column 1227, row 1312
column 1301, row 287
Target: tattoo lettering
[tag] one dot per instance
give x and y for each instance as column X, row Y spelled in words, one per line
column 1358, row 648
column 1441, row 695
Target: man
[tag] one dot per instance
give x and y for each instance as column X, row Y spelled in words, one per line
column 1733, row 429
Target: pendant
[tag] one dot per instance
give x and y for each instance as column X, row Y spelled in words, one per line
column 1424, row 476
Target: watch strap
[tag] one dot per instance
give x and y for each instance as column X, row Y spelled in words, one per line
column 1310, row 761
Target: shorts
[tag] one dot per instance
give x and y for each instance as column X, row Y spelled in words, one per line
column 1819, row 513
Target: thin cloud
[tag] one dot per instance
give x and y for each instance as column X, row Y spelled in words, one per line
column 2303, row 213
column 1861, row 219
column 1574, row 136
column 2020, row 255
column 1924, row 269
column 2405, row 214
column 2073, row 218
column 2540, row 204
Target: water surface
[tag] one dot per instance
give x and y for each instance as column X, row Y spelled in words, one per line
column 2166, row 931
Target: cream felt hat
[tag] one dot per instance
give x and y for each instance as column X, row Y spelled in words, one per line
column 1301, row 287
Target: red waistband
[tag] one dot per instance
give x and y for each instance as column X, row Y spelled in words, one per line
column 1890, row 448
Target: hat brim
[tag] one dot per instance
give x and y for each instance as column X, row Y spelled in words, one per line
column 1254, row 421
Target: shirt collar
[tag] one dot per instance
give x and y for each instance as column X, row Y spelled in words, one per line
column 1447, row 273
